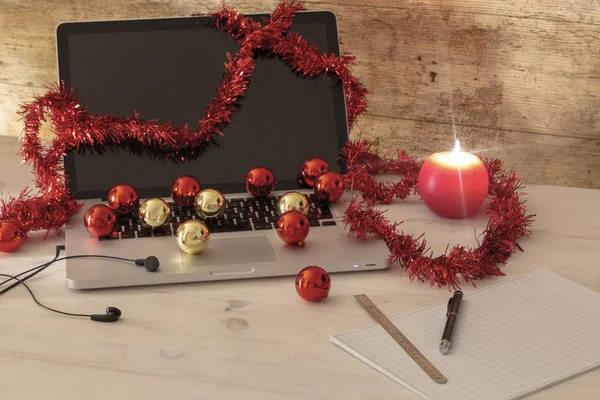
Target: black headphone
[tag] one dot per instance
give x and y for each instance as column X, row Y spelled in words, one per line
column 151, row 264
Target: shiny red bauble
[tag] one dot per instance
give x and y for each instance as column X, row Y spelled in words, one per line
column 329, row 186
column 292, row 227
column 260, row 182
column 184, row 190
column 453, row 185
column 99, row 220
column 313, row 283
column 123, row 199
column 11, row 236
column 311, row 170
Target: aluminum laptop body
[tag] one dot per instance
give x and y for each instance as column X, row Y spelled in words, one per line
column 152, row 67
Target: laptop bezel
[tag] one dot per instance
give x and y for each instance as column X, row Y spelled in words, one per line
column 65, row 29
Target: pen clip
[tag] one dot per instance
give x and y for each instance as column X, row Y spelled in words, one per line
column 450, row 301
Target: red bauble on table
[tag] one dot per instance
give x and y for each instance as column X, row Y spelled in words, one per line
column 260, row 181
column 123, row 199
column 293, row 227
column 453, row 184
column 11, row 236
column 313, row 283
column 184, row 190
column 311, row 170
column 329, row 186
column 99, row 220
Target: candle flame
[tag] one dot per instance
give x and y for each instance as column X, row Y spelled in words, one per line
column 457, row 157
column 456, row 148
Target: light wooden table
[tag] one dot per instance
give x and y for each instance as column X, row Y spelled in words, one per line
column 251, row 339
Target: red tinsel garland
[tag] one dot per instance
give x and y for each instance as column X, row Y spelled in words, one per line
column 75, row 127
column 508, row 219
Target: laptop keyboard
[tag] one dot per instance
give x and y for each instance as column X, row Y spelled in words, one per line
column 241, row 214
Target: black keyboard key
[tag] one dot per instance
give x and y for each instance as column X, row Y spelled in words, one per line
column 221, row 228
column 123, row 221
column 328, row 223
column 312, row 215
column 112, row 236
column 314, row 222
column 272, row 219
column 127, row 228
column 144, row 233
column 257, row 220
column 128, row 235
column 242, row 226
column 161, row 232
column 262, row 226
column 175, row 226
column 227, row 227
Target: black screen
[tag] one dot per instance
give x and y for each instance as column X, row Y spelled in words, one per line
column 169, row 69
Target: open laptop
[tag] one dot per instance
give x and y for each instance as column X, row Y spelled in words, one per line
column 169, row 69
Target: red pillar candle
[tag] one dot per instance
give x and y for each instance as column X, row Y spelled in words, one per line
column 453, row 184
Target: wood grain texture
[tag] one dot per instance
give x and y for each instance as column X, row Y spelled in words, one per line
column 519, row 80
column 253, row 339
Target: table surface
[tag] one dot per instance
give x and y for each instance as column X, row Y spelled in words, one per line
column 253, row 338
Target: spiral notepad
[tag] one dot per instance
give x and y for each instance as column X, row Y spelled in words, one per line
column 511, row 340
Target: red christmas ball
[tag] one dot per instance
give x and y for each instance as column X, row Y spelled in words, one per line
column 184, row 190
column 311, row 170
column 260, row 182
column 123, row 198
column 11, row 236
column 329, row 186
column 99, row 220
column 313, row 283
column 293, row 227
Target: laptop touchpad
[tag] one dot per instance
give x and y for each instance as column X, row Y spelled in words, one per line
column 232, row 251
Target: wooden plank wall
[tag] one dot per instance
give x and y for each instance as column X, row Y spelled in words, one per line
column 514, row 79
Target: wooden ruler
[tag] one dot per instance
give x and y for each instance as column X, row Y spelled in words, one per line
column 399, row 337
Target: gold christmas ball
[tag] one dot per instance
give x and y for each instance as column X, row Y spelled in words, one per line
column 293, row 201
column 192, row 236
column 210, row 204
column 154, row 212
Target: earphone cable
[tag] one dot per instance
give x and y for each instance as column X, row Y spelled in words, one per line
column 42, row 267
column 22, row 282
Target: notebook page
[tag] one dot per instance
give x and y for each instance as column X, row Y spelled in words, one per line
column 511, row 340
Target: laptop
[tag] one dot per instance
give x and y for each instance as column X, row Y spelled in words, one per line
column 169, row 69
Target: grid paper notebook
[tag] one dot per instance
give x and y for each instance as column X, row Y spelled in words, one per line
column 511, row 340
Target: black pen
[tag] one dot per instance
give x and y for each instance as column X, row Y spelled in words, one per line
column 451, row 316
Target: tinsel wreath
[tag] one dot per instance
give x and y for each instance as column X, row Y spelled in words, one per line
column 76, row 128
column 508, row 218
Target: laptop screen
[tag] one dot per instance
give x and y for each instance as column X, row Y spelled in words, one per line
column 169, row 69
